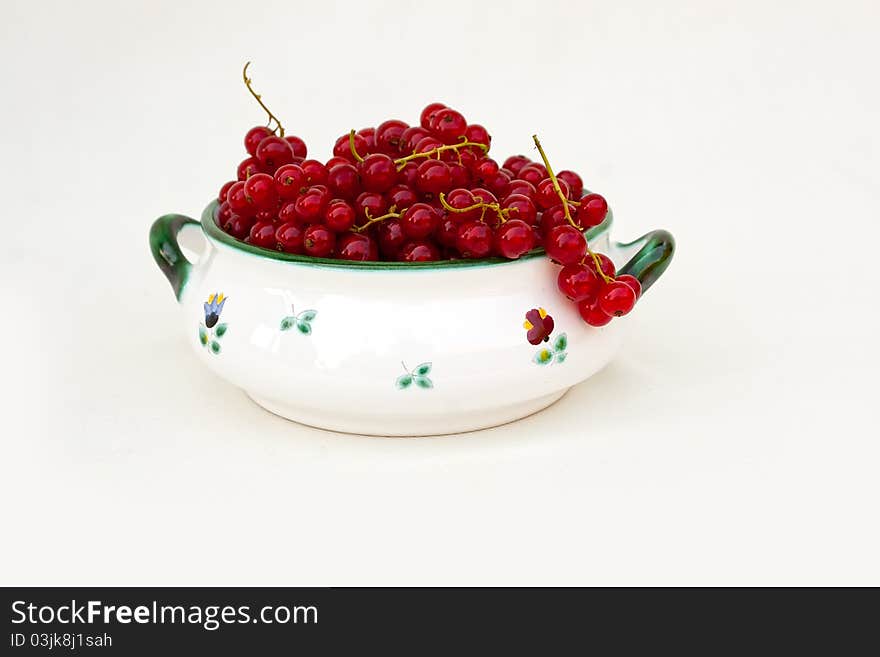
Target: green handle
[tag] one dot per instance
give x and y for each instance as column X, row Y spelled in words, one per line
column 652, row 259
column 166, row 250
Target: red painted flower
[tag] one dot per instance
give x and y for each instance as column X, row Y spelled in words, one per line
column 539, row 325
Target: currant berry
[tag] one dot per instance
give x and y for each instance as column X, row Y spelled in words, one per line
column 297, row 145
column 592, row 211
column 419, row 221
column 391, row 238
column 428, row 114
column 474, row 239
column 248, row 167
column 545, row 193
column 592, row 314
column 520, row 207
column 221, row 197
column 578, row 282
column 311, row 205
column 408, row 174
column 253, row 138
column 237, row 200
column 553, row 217
column 344, row 182
column 532, row 173
column 289, row 237
column 523, row 187
column 574, row 182
column 433, row 177
column 460, row 174
column 427, row 144
column 224, row 212
column 339, row 216
column 447, row 232
column 369, row 137
column 388, row 136
column 290, row 179
column 607, row 266
column 273, row 152
column 401, row 197
column 565, row 245
column 448, row 125
column 287, row 213
column 479, row 135
column 239, row 226
column 499, row 184
column 410, row 137
column 378, row 172
column 335, row 161
column 617, row 298
column 514, row 238
column 516, row 162
column 318, row 241
column 633, row 282
column 316, row 172
column 369, row 202
column 342, row 147
column 262, row 234
column 358, row 247
column 259, row 190
column 418, row 251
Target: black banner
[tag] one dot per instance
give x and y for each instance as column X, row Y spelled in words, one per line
column 256, row 621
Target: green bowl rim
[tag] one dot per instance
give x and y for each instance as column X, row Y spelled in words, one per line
column 215, row 233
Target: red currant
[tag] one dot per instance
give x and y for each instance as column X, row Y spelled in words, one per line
column 633, row 282
column 545, row 193
column 461, row 176
column 239, row 226
column 339, row 216
column 607, row 266
column 378, row 172
column 449, row 125
column 253, row 138
column 516, row 162
column 259, row 190
column 237, row 200
column 248, row 167
column 592, row 314
column 224, row 212
column 391, row 238
column 408, row 174
column 520, row 207
column 578, row 282
column 479, row 135
column 289, row 237
column 400, row 197
column 316, row 172
column 532, row 173
column 223, row 191
column 447, row 232
column 369, row 202
column 388, row 137
column 523, row 187
column 297, row 145
column 318, row 241
column 574, row 182
column 514, row 238
column 565, row 245
column 474, row 239
column 311, row 204
column 617, row 298
column 344, row 182
column 262, row 234
column 287, row 213
column 428, row 114
column 592, row 211
column 369, row 136
column 410, row 137
column 273, row 152
column 433, row 177
column 357, row 246
column 418, row 251
column 335, row 161
column 342, row 147
column 419, row 221
column 290, row 181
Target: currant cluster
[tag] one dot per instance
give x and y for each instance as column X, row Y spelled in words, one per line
column 415, row 193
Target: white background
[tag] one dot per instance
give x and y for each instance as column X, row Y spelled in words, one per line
column 734, row 441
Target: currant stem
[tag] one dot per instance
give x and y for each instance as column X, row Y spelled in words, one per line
column 464, row 143
column 258, row 98
column 371, row 220
column 502, row 214
column 565, row 203
column 354, row 152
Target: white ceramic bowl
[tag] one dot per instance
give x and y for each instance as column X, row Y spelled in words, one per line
column 394, row 349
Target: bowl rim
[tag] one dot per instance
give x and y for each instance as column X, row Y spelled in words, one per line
column 217, row 235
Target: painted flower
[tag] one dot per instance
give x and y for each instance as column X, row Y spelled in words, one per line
column 213, row 308
column 539, row 325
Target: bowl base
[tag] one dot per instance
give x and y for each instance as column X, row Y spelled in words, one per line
column 422, row 425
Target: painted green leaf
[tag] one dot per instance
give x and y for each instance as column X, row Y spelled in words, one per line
column 423, row 369
column 288, row 323
column 560, row 356
column 404, row 381
column 220, row 331
column 304, row 327
column 543, row 357
column 561, row 342
column 203, row 335
column 424, row 382
column 307, row 315
column 215, row 347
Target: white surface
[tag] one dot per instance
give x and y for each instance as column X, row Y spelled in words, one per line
column 735, row 440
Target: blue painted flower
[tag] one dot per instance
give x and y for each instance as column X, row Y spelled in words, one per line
column 213, row 308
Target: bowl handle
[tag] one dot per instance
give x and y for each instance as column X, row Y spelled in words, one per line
column 649, row 256
column 166, row 250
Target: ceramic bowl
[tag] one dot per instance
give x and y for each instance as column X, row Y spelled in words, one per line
column 396, row 349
